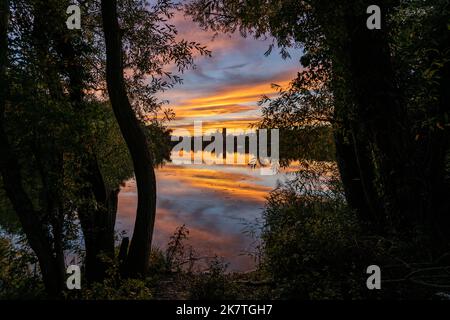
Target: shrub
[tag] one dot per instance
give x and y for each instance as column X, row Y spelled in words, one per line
column 214, row 284
column 311, row 247
column 18, row 277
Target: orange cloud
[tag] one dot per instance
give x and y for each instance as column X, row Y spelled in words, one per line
column 239, row 95
column 232, row 100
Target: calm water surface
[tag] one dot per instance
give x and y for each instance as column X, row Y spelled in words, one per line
column 215, row 202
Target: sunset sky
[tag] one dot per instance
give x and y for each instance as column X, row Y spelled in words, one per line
column 223, row 90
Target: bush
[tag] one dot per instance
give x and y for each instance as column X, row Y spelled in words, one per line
column 311, row 246
column 315, row 248
column 214, row 284
column 128, row 289
column 17, row 278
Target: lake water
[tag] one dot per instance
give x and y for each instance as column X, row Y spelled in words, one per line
column 215, row 202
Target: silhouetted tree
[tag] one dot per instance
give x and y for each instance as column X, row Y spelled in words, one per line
column 391, row 139
column 64, row 154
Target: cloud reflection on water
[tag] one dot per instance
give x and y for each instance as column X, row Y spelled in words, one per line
column 213, row 201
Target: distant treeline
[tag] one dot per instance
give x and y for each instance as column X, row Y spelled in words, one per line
column 306, row 143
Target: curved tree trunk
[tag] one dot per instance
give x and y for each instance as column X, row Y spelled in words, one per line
column 356, row 171
column 139, row 252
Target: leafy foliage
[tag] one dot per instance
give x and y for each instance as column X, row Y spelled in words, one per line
column 17, row 279
column 213, row 284
column 309, row 237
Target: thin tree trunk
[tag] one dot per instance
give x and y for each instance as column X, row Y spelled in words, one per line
column 380, row 113
column 97, row 221
column 354, row 158
column 139, row 252
column 368, row 97
column 438, row 144
column 356, row 171
column 37, row 235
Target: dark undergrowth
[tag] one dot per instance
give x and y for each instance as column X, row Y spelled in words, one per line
column 312, row 247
